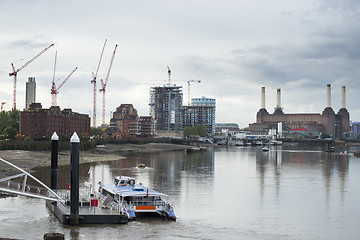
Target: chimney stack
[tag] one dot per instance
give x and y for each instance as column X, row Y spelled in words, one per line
column 263, row 97
column 278, row 104
column 343, row 97
column 328, row 95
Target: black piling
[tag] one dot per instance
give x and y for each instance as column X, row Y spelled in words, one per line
column 74, row 184
column 54, row 160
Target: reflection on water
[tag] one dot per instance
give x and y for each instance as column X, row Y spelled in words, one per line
column 231, row 193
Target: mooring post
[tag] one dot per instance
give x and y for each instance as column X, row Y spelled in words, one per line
column 74, row 184
column 54, row 160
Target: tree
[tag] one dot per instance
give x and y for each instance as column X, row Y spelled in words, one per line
column 14, row 119
column 197, row 130
column 10, row 132
column 189, row 131
column 97, row 132
column 4, row 120
column 200, row 129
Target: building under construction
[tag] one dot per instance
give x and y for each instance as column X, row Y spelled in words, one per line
column 166, row 107
column 326, row 122
column 201, row 112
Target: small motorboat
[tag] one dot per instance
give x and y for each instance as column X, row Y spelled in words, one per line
column 265, row 148
column 192, row 149
column 141, row 165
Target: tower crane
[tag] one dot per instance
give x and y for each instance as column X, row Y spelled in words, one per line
column 103, row 86
column 15, row 71
column 54, row 89
column 188, row 82
column 2, row 105
column 93, row 81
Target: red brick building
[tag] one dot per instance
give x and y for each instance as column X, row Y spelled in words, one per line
column 146, row 126
column 38, row 123
column 126, row 123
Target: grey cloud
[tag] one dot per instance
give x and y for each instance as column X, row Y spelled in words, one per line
column 27, row 44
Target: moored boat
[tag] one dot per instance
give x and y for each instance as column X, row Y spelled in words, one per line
column 192, row 149
column 134, row 198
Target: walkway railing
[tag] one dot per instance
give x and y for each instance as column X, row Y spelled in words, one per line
column 13, row 187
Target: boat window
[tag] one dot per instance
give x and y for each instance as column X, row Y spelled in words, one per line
column 138, row 189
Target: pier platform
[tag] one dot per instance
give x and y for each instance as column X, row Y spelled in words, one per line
column 87, row 214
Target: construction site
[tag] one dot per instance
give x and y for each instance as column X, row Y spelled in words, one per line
column 167, row 111
column 39, row 123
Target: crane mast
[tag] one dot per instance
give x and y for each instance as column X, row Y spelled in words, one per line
column 188, row 82
column 15, row 71
column 2, row 105
column 94, row 82
column 55, row 91
column 103, row 86
column 169, row 73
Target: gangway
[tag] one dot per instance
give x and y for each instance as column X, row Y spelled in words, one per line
column 7, row 185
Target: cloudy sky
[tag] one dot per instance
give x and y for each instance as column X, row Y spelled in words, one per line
column 233, row 46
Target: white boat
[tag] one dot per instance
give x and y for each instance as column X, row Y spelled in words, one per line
column 134, row 198
column 265, row 148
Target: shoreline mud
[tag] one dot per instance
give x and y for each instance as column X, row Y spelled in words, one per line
column 28, row 160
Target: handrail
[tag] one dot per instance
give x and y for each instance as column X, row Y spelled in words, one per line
column 34, row 178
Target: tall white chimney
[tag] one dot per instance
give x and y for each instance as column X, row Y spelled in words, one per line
column 280, row 129
column 278, row 93
column 343, row 97
column 262, row 97
column 328, row 95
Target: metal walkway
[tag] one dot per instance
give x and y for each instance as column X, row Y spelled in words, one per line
column 14, row 185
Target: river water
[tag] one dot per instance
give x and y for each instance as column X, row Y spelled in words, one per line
column 289, row 192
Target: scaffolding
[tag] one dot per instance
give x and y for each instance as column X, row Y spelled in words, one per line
column 166, row 107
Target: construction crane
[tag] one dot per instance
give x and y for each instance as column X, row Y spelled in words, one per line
column 15, row 71
column 103, row 86
column 188, row 82
column 169, row 73
column 94, row 82
column 54, row 89
column 2, row 105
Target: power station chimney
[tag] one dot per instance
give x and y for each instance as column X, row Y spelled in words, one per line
column 328, row 95
column 263, row 97
column 278, row 103
column 343, row 97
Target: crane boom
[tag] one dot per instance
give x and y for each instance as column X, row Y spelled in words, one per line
column 103, row 85
column 54, row 67
column 66, row 79
column 55, row 91
column 15, row 71
column 30, row 61
column 94, row 82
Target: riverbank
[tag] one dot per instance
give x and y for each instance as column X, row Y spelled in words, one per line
column 28, row 160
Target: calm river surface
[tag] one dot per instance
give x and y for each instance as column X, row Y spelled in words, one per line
column 224, row 193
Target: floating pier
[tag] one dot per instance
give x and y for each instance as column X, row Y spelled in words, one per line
column 77, row 212
column 87, row 214
column 68, row 206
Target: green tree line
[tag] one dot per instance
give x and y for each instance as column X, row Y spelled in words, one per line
column 197, row 130
column 9, row 124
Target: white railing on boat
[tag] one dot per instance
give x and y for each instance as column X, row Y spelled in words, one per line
column 148, row 203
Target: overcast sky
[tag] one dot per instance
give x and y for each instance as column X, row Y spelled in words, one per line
column 233, row 46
